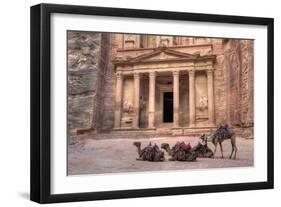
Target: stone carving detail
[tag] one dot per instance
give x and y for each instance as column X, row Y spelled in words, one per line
column 201, row 94
column 128, row 107
column 246, row 82
column 233, row 64
column 203, row 103
column 239, row 62
column 164, row 42
column 130, row 41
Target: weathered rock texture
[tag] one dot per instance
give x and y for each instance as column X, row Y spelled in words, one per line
column 92, row 71
column 238, row 56
column 87, row 62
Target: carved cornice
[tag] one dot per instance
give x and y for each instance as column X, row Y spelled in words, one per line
column 171, row 47
column 175, row 56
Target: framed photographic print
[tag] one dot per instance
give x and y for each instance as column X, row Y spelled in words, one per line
column 132, row 103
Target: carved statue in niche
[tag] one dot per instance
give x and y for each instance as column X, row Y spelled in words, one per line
column 142, row 102
column 164, row 41
column 201, row 90
column 128, row 107
column 142, row 111
column 129, row 44
column 203, row 103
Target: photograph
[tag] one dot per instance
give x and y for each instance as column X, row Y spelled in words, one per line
column 154, row 102
column 133, row 103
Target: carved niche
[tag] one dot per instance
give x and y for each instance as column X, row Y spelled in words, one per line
column 127, row 103
column 131, row 41
column 201, row 94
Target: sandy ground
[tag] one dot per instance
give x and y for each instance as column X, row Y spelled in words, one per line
column 119, row 155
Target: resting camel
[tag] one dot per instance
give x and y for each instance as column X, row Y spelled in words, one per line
column 202, row 149
column 149, row 153
column 180, row 152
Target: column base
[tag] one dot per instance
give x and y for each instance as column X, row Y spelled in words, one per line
column 192, row 125
column 212, row 124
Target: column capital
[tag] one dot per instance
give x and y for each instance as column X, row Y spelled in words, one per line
column 209, row 71
column 191, row 72
column 176, row 73
column 152, row 74
column 136, row 74
column 119, row 74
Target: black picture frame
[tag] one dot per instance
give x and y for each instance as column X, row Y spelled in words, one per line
column 41, row 98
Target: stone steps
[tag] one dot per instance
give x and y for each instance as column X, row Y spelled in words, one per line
column 160, row 132
column 127, row 134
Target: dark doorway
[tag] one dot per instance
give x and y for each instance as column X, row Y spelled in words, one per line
column 168, row 109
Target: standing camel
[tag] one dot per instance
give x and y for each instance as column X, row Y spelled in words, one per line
column 221, row 134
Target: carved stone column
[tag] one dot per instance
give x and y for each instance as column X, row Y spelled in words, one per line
column 118, row 100
column 176, row 98
column 191, row 75
column 151, row 106
column 136, row 99
column 211, row 108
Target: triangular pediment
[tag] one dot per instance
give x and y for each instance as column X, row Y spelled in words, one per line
column 163, row 54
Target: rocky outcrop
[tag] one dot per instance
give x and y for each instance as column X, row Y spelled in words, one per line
column 238, row 64
column 86, row 62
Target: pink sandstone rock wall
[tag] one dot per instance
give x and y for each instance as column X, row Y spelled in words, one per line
column 91, row 79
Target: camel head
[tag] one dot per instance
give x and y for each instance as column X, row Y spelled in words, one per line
column 137, row 144
column 203, row 138
column 165, row 146
column 211, row 137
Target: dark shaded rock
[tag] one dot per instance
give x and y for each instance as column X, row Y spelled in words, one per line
column 82, row 81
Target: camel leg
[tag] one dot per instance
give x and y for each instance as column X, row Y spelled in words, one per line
column 232, row 150
column 233, row 142
column 221, row 150
column 235, row 152
column 215, row 149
